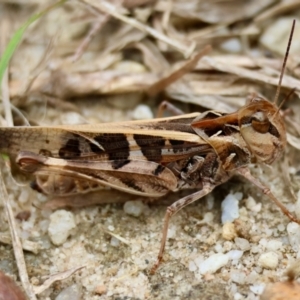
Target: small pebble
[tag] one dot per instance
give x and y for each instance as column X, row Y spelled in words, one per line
column 297, row 206
column 230, row 208
column 227, row 246
column 142, row 112
column 100, row 289
column 60, row 226
column 268, row 260
column 114, row 242
column 24, row 196
column 250, row 202
column 241, row 243
column 72, row 118
column 232, row 45
column 192, row 266
column 213, row 263
column 23, row 215
column 134, row 208
column 273, row 245
column 235, row 254
column 238, row 296
column 257, row 289
column 238, row 276
column 228, row 231
column 70, row 293
column 293, row 230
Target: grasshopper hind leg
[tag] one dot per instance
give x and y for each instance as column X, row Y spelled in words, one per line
column 172, row 210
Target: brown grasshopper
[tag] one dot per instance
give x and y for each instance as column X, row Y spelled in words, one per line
column 152, row 158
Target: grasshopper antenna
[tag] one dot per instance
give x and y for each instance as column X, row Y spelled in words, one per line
column 284, row 61
column 283, row 101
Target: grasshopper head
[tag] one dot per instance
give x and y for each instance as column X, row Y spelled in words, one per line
column 262, row 127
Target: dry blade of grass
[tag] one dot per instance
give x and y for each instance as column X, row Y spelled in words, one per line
column 56, row 277
column 16, row 242
column 287, row 82
column 173, row 76
column 112, row 10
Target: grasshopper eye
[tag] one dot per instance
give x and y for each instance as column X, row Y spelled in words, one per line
column 261, row 126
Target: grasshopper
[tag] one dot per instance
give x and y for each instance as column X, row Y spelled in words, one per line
column 151, row 158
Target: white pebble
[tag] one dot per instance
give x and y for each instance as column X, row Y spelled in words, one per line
column 268, row 260
column 72, row 118
column 255, row 249
column 208, row 218
column 24, row 196
column 219, row 248
column 274, row 245
column 281, row 227
column 71, row 292
column 192, row 266
column 263, row 242
column 252, row 205
column 172, row 231
column 232, row 45
column 142, row 112
column 257, row 288
column 227, row 246
column 134, row 208
column 241, row 243
column 293, row 230
column 230, row 208
column 210, row 200
column 213, row 263
column 235, row 254
column 238, row 196
column 250, row 202
column 61, row 224
column 238, row 276
column 114, row 242
column 238, row 296
column 297, row 206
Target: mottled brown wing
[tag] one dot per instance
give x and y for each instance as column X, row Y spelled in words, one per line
column 61, row 177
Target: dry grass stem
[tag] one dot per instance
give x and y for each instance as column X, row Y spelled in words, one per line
column 56, row 277
column 175, row 75
column 110, row 9
column 16, row 242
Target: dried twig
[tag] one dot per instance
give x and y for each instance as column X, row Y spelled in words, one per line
column 87, row 40
column 16, row 242
column 280, row 8
column 55, row 277
column 175, row 75
column 288, row 81
column 27, row 245
column 112, row 10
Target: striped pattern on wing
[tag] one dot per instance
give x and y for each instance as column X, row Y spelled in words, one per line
column 60, row 177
